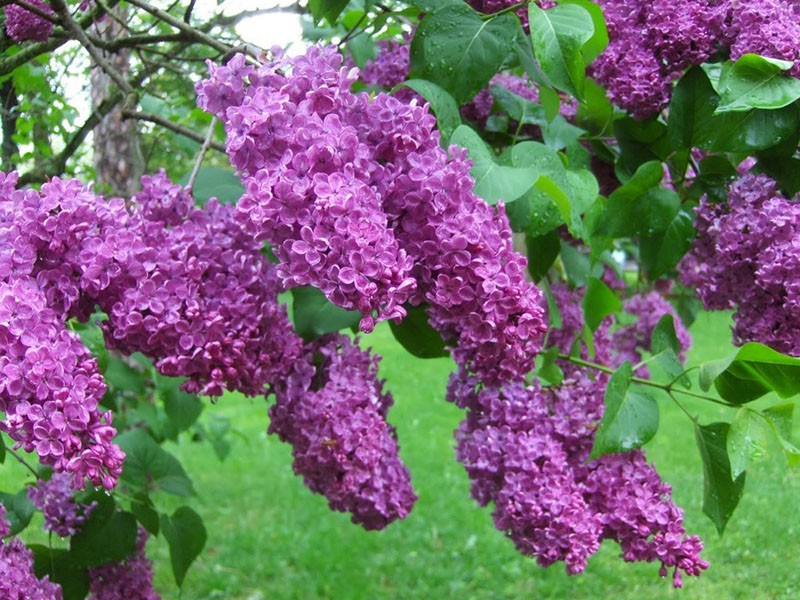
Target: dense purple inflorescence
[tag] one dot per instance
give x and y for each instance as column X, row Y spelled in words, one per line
column 23, row 25
column 130, row 579
column 359, row 200
column 17, row 579
column 651, row 43
column 62, row 515
column 747, row 256
column 332, row 410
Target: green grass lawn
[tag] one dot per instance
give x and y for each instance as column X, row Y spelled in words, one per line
column 269, row 537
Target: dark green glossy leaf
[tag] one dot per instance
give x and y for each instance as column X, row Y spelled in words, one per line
column 690, row 111
column 186, row 536
column 757, row 82
column 630, row 418
column 721, row 492
column 146, row 515
column 542, row 252
column 641, row 142
column 559, row 35
column 665, row 347
column 417, row 336
column 456, row 49
column 60, row 567
column 149, row 467
column 182, row 409
column 753, row 371
column 108, row 536
column 546, row 367
column 313, row 315
column 780, row 418
column 661, row 250
column 619, row 217
column 19, row 509
column 595, row 45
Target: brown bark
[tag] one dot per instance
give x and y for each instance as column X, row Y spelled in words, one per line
column 118, row 159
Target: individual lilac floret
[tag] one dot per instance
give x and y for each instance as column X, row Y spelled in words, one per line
column 632, row 340
column 130, row 579
column 747, row 256
column 332, row 410
column 17, row 579
column 23, row 25
column 525, row 449
column 62, row 515
column 207, row 307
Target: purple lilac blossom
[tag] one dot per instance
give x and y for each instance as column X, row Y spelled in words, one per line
column 767, row 27
column 747, row 256
column 332, row 410
column 359, row 200
column 130, row 579
column 526, row 448
column 23, row 25
column 632, row 340
column 207, row 307
column 17, row 579
column 62, row 515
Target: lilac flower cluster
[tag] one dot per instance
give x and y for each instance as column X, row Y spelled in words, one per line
column 651, row 43
column 332, row 410
column 23, row 25
column 62, row 515
column 746, row 257
column 359, row 200
column 526, row 449
column 206, row 308
column 17, row 579
column 130, row 579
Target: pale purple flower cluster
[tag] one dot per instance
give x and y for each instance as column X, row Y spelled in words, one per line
column 630, row 341
column 54, row 497
column 206, row 308
column 389, row 68
column 359, row 200
column 332, row 410
column 651, row 43
column 23, row 25
column 747, row 256
column 130, row 579
column 526, row 447
column 17, row 579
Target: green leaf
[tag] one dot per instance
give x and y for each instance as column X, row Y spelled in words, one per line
column 181, row 408
column 757, row 82
column 313, row 315
column 109, row 535
column 443, row 105
column 661, row 250
column 149, row 467
column 215, row 182
column 780, row 418
column 122, row 377
column 666, row 349
column 417, row 336
column 577, row 265
column 747, row 440
column 146, row 515
column 433, row 5
column 328, row 9
column 641, row 142
column 19, row 509
column 595, row 112
column 595, row 45
column 721, row 492
column 186, row 536
column 619, row 217
column 630, row 418
column 60, row 567
column 558, row 36
column 752, row 130
column 2, row 449
column 92, row 338
column 753, row 371
column 493, row 182
column 598, row 303
column 456, row 49
column 542, row 251
column 690, row 111
column 546, row 366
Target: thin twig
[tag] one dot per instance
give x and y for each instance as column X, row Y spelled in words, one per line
column 167, row 124
column 21, row 461
column 201, row 154
column 194, row 33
